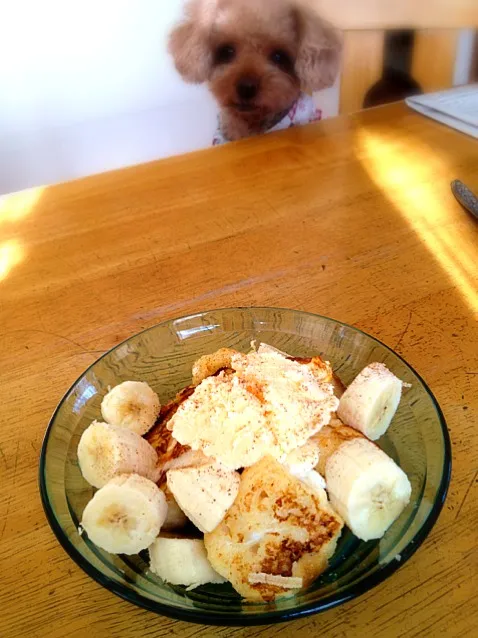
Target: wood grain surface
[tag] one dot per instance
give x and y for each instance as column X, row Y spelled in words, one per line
column 389, row 14
column 362, row 67
column 434, row 57
column 351, row 218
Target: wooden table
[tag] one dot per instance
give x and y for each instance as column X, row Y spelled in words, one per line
column 352, row 218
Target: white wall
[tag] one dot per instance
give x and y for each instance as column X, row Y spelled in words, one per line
column 88, row 86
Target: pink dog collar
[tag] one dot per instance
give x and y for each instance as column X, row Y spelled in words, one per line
column 303, row 111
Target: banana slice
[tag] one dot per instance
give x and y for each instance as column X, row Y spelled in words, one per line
column 204, row 492
column 182, row 561
column 125, row 515
column 176, row 518
column 371, row 400
column 131, row 404
column 186, row 459
column 106, row 450
column 366, row 487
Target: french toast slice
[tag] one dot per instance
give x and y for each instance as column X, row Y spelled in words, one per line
column 160, row 437
column 277, row 526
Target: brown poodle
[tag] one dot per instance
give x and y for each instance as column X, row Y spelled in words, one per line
column 258, row 57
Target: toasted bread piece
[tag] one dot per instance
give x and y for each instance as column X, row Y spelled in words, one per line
column 277, row 526
column 210, row 364
column 160, row 437
column 330, row 438
column 286, row 582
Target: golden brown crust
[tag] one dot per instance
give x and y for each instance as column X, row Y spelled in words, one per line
column 277, row 525
column 160, row 437
column 157, row 436
column 210, row 364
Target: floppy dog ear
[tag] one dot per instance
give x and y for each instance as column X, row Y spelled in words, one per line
column 320, row 46
column 189, row 42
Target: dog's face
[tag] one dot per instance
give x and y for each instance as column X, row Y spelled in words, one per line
column 253, row 59
column 256, row 55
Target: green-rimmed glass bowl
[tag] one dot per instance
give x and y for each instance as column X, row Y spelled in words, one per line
column 162, row 355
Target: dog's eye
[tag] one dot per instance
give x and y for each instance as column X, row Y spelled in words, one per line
column 281, row 58
column 224, row 54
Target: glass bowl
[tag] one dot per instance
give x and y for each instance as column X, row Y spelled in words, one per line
column 162, row 355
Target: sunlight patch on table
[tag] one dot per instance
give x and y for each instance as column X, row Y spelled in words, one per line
column 11, row 254
column 409, row 176
column 16, row 206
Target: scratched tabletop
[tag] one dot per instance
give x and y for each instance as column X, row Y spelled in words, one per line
column 351, row 218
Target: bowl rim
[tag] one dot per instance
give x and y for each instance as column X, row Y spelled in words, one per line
column 266, row 617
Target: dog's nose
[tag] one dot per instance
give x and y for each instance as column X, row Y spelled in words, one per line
column 247, row 88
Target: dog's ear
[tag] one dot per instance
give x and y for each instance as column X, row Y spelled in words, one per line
column 319, row 54
column 189, row 41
